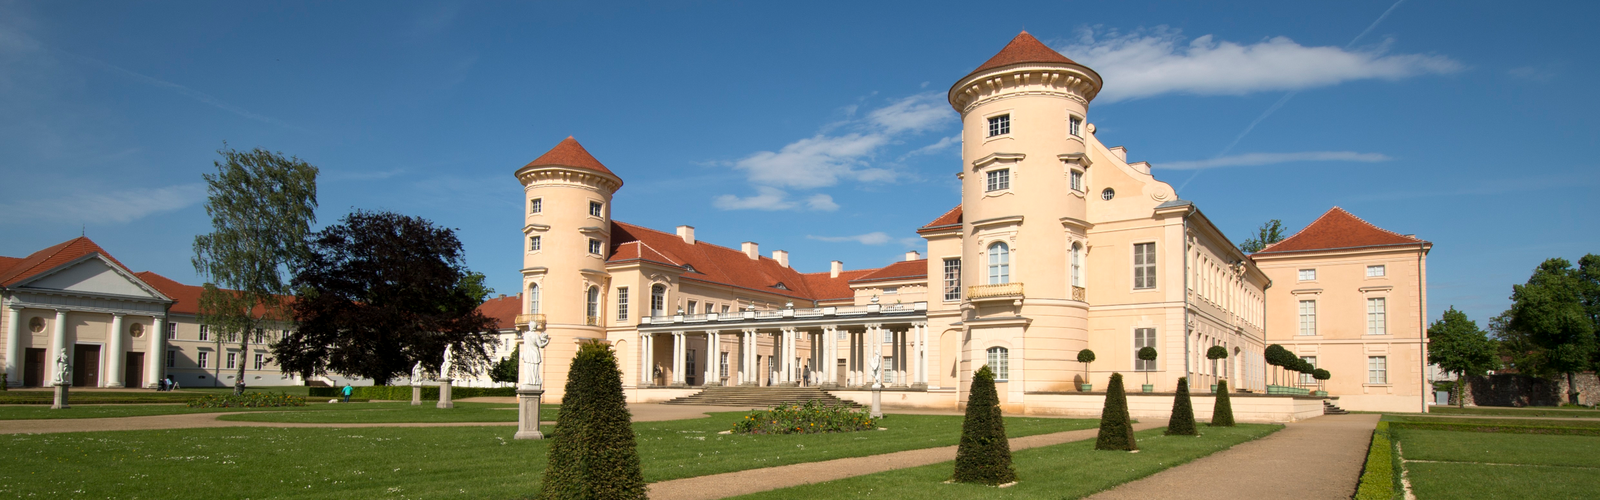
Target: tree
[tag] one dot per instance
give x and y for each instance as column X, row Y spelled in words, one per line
column 1215, row 353
column 1182, row 421
column 1276, row 355
column 1269, row 233
column 380, row 292
column 1222, row 411
column 1116, row 428
column 593, row 453
column 1550, row 309
column 1147, row 354
column 262, row 206
column 984, row 455
column 1322, row 377
column 1457, row 345
column 506, row 369
column 1086, row 356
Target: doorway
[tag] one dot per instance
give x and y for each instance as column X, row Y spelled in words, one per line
column 33, row 367
column 86, row 365
column 133, row 370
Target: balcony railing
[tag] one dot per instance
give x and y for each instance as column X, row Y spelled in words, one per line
column 1080, row 294
column 780, row 314
column 591, row 320
column 1004, row 290
column 534, row 321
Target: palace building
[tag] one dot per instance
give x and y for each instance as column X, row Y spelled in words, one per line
column 1058, row 244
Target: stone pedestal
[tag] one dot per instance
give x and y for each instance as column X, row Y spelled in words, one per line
column 444, row 395
column 877, row 402
column 416, row 394
column 61, row 398
column 529, row 401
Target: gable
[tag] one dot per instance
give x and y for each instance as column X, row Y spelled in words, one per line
column 91, row 275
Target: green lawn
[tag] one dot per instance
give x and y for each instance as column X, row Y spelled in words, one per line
column 41, row 397
column 1506, row 448
column 1468, row 482
column 1070, row 470
column 314, row 412
column 1528, row 422
column 1470, row 465
column 1525, row 412
column 292, row 390
column 463, row 462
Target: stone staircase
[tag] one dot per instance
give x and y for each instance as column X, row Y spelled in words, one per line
column 753, row 397
column 1332, row 409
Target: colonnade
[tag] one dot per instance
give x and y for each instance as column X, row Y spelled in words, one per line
column 905, row 357
column 114, row 355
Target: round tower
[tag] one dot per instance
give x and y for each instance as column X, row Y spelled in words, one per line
column 566, row 235
column 1024, row 116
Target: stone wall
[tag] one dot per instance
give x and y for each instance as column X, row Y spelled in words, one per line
column 1510, row 389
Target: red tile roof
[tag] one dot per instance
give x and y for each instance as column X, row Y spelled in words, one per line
column 186, row 298
column 948, row 220
column 712, row 263
column 51, row 258
column 1339, row 229
column 826, row 287
column 903, row 270
column 570, row 154
column 1024, row 49
column 503, row 310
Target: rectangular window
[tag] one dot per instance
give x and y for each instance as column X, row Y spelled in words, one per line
column 1306, row 378
column 1077, row 180
column 1000, row 362
column 692, row 305
column 1075, row 126
column 172, row 331
column 888, row 336
column 205, row 332
column 952, row 279
column 595, row 208
column 1308, row 275
column 1376, row 271
column 260, row 336
column 536, row 205
column 594, row 246
column 261, row 361
column 233, row 360
column 998, row 180
column 1142, row 338
column 843, row 335
column 1308, row 317
column 205, row 360
column 534, row 243
column 723, row 365
column 172, row 359
column 1144, row 266
column 622, row 303
column 891, row 289
column 1377, row 370
column 724, row 309
column 1375, row 316
column 999, row 125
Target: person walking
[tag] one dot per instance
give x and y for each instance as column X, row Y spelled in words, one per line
column 347, row 392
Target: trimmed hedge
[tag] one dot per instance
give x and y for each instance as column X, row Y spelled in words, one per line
column 1496, row 428
column 593, row 454
column 812, row 417
column 1378, row 477
column 403, row 392
column 1182, row 421
column 1116, row 428
column 1222, row 412
column 247, row 400
column 984, row 454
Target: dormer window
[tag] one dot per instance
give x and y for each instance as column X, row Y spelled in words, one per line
column 780, row 286
column 596, row 208
column 689, row 268
column 999, row 125
column 1075, row 126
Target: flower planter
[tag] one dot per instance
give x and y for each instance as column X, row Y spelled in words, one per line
column 1321, row 393
column 1213, row 388
column 1085, row 387
column 1149, row 388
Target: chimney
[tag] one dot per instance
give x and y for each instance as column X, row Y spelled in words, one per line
column 912, row 255
column 834, row 269
column 1120, row 152
column 751, row 250
column 687, row 233
column 782, row 256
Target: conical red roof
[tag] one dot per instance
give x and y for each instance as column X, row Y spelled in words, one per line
column 570, row 154
column 1338, row 229
column 1024, row 49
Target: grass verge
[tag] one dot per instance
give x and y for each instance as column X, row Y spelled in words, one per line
column 373, row 413
column 1380, row 476
column 1471, row 465
column 1071, row 470
column 1525, row 412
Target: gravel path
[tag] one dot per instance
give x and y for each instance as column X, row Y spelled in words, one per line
column 771, row 478
column 1316, row 458
column 647, row 412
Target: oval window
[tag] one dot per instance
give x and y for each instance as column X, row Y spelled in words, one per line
column 1108, row 194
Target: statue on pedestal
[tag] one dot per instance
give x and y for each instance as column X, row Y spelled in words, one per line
column 444, row 368
column 416, row 374
column 63, row 369
column 876, row 363
column 533, row 359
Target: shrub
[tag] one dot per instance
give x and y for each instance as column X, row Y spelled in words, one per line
column 811, row 417
column 1216, row 352
column 1147, row 354
column 1377, row 478
column 1222, row 413
column 1086, row 356
column 247, row 400
column 984, row 455
column 1116, row 430
column 1182, row 422
column 430, row 392
column 593, row 454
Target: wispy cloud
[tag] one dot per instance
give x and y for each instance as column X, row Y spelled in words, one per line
column 112, row 205
column 872, row 238
column 942, row 145
column 817, row 161
column 773, row 199
column 1533, row 73
column 1157, row 61
column 1256, row 159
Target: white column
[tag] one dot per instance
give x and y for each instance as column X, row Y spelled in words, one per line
column 155, row 361
column 922, row 353
column 788, row 354
column 58, row 346
column 115, row 355
column 677, row 358
column 713, row 358
column 826, row 357
column 855, row 357
column 14, row 345
column 644, row 359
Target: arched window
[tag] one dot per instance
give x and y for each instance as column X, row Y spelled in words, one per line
column 533, row 298
column 592, row 310
column 999, row 264
column 1000, row 362
column 658, row 300
column 1077, row 265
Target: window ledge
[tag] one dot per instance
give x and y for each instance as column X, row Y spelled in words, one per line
column 1377, row 385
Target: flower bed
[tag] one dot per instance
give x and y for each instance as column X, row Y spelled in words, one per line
column 247, row 400
column 812, row 417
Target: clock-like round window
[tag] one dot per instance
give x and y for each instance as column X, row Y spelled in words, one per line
column 36, row 324
column 137, row 330
column 1108, row 194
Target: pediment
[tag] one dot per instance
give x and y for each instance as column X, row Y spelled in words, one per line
column 93, row 275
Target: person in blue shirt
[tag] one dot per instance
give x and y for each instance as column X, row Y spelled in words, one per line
column 347, row 392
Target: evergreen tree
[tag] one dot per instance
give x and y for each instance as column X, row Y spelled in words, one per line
column 1182, row 422
column 1222, row 413
column 984, row 455
column 1269, row 233
column 593, row 454
column 1116, row 429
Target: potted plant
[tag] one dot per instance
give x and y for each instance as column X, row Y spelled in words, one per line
column 1147, row 354
column 1215, row 353
column 1085, row 356
column 1322, row 377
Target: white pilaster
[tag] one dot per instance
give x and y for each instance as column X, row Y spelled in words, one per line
column 677, row 358
column 155, row 361
column 713, row 358
column 115, row 355
column 644, row 359
column 58, row 346
column 922, row 352
column 14, row 337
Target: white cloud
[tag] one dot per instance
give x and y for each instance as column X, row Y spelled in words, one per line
column 822, row 203
column 1536, row 74
column 918, row 113
column 772, row 199
column 115, row 205
column 1147, row 63
column 1254, row 159
column 872, row 238
column 817, row 161
column 936, row 147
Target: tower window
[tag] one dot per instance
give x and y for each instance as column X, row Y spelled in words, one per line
column 1000, row 363
column 592, row 307
column 999, row 125
column 1076, row 178
column 533, row 298
column 536, row 205
column 998, row 180
column 1075, row 126
column 594, row 246
column 595, row 208
column 999, row 264
column 533, row 243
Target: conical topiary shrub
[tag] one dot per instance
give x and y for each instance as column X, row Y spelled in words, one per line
column 1182, row 422
column 984, row 455
column 1116, row 430
column 592, row 454
column 1222, row 413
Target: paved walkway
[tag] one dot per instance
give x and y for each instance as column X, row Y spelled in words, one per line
column 771, row 478
column 645, row 412
column 1316, row 458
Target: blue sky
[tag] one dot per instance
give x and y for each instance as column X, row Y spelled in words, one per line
column 814, row 127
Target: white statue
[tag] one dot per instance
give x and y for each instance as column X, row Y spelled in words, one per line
column 444, row 368
column 416, row 374
column 533, row 359
column 63, row 368
column 876, row 363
